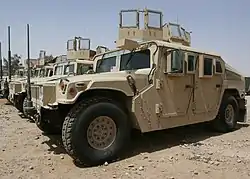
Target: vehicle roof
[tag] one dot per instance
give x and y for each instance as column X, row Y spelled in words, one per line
column 171, row 45
column 76, row 61
column 85, row 61
column 228, row 67
column 183, row 47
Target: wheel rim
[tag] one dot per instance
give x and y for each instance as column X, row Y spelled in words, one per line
column 229, row 114
column 101, row 132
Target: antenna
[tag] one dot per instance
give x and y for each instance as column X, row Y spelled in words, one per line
column 9, row 53
column 177, row 19
column 1, row 63
column 28, row 64
column 29, row 108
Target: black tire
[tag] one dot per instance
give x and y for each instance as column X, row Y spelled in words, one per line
column 25, row 105
column 46, row 127
column 220, row 123
column 75, row 126
column 19, row 104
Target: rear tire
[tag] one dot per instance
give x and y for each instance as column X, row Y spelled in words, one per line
column 226, row 120
column 19, row 102
column 95, row 131
column 25, row 105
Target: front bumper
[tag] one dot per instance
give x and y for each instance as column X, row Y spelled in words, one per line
column 18, row 100
column 51, row 115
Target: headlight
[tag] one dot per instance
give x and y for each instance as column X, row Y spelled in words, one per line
column 63, row 85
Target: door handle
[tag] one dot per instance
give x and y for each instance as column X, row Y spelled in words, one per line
column 218, row 85
column 188, row 86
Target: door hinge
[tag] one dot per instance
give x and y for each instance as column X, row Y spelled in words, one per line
column 158, row 108
column 158, row 84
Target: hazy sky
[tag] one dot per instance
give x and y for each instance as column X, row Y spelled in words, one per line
column 222, row 26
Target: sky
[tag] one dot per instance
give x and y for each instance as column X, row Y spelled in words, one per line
column 218, row 26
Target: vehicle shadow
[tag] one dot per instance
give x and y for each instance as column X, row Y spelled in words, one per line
column 152, row 141
column 159, row 140
column 55, row 144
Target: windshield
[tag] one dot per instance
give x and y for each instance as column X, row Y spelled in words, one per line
column 47, row 72
column 106, row 64
column 69, row 69
column 83, row 68
column 36, row 73
column 21, row 73
column 58, row 70
column 175, row 30
column 42, row 72
column 138, row 60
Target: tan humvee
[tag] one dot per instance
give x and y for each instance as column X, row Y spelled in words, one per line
column 78, row 61
column 15, row 84
column 155, row 84
column 18, row 87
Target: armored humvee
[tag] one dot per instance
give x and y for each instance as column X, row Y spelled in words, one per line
column 77, row 62
column 15, row 85
column 18, row 87
column 158, row 83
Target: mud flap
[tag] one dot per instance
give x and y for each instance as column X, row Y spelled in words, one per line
column 242, row 115
column 242, row 111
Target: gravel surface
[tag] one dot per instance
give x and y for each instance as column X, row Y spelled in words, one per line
column 181, row 153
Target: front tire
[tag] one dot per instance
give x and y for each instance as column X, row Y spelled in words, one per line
column 95, row 131
column 226, row 119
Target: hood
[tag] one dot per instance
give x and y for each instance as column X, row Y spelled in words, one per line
column 46, row 79
column 108, row 76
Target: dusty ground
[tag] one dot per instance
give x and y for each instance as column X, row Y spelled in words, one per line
column 183, row 153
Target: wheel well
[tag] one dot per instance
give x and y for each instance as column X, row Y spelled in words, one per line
column 233, row 92
column 110, row 93
column 118, row 96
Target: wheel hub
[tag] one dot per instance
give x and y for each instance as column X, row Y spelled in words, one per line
column 229, row 113
column 101, row 132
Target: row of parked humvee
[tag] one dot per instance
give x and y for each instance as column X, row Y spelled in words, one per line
column 94, row 98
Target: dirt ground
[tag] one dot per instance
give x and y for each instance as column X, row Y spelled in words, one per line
column 181, row 153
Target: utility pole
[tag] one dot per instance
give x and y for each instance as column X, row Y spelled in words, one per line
column 1, row 62
column 9, row 53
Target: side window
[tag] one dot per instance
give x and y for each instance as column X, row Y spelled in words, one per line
column 208, row 66
column 136, row 60
column 218, row 68
column 191, row 63
column 177, row 61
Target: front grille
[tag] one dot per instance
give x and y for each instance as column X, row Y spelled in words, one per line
column 18, row 88
column 35, row 92
column 49, row 94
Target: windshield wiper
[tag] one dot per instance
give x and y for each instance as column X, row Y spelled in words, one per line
column 130, row 58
